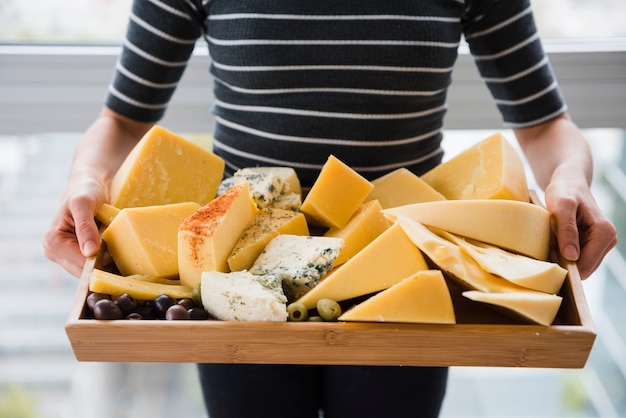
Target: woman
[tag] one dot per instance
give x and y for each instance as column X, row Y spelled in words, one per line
column 364, row 80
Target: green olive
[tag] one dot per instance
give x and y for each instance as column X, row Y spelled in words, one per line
column 196, row 295
column 297, row 312
column 328, row 309
column 315, row 318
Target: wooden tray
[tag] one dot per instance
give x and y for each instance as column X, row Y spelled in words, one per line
column 481, row 337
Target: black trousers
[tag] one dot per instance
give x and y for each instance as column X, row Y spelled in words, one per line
column 257, row 391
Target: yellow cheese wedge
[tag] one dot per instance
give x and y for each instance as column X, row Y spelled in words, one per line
column 420, row 298
column 101, row 281
column 385, row 261
column 336, row 194
column 402, row 187
column 207, row 237
column 543, row 276
column 166, row 168
column 106, row 213
column 491, row 169
column 519, row 227
column 537, row 307
column 143, row 240
column 266, row 225
column 363, row 227
column 449, row 258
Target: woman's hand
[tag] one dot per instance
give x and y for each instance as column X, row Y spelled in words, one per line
column 561, row 161
column 73, row 234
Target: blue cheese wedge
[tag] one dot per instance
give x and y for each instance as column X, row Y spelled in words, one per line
column 299, row 261
column 243, row 296
column 265, row 187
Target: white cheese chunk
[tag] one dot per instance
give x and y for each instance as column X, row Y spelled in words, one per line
column 300, row 261
column 242, row 296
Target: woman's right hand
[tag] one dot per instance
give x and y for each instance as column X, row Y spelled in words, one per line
column 73, row 234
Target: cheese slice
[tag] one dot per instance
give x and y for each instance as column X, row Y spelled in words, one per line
column 106, row 213
column 299, row 261
column 336, row 194
column 143, row 240
column 266, row 225
column 207, row 237
column 242, row 296
column 402, row 187
column 449, row 258
column 491, row 169
column 519, row 227
column 165, row 168
column 101, row 281
column 543, row 276
column 420, row 298
column 385, row 261
column 537, row 307
column 363, row 227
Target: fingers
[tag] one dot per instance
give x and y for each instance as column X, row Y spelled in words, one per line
column 583, row 233
column 597, row 241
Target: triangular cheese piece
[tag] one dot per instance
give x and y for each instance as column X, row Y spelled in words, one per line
column 266, row 225
column 402, row 187
column 491, row 169
column 449, row 258
column 385, row 261
column 420, row 298
column 537, row 307
column 366, row 224
column 543, row 276
column 207, row 237
column 520, row 227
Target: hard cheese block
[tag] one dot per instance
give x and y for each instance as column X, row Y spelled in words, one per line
column 363, row 227
column 266, row 225
column 143, row 240
column 336, row 194
column 491, row 169
column 101, row 281
column 449, row 258
column 520, row 227
column 207, row 237
column 537, row 307
column 402, row 187
column 242, row 296
column 166, row 168
column 543, row 276
column 420, row 298
column 388, row 259
column 299, row 261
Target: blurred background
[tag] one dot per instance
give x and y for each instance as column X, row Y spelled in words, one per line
column 55, row 62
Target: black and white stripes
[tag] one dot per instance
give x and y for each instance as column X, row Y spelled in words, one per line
column 365, row 80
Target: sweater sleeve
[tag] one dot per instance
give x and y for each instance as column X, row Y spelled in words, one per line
column 506, row 47
column 160, row 39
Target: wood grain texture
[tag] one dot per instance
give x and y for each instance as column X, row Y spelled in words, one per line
column 472, row 342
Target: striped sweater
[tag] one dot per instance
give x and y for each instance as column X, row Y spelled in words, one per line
column 364, row 80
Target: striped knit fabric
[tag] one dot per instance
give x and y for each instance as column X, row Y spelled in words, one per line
column 364, row 80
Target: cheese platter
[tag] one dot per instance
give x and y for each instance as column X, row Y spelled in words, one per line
column 495, row 308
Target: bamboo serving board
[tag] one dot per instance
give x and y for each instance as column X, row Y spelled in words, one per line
column 481, row 337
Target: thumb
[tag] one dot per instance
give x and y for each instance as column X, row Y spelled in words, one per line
column 85, row 228
column 566, row 231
